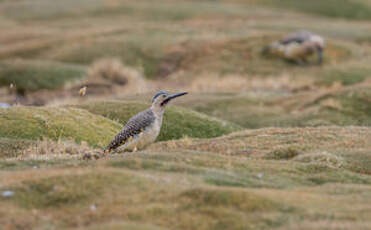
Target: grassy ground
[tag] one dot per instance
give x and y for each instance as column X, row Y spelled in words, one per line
column 258, row 143
column 269, row 178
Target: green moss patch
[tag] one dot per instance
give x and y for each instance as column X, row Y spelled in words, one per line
column 177, row 123
column 35, row 75
column 36, row 123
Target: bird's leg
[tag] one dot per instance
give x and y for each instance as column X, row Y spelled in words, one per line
column 106, row 151
column 93, row 155
column 300, row 62
column 304, row 60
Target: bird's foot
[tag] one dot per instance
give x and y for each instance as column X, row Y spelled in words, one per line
column 300, row 62
column 92, row 156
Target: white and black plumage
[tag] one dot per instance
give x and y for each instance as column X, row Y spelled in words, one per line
column 143, row 128
column 298, row 47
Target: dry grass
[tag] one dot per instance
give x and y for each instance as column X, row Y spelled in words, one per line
column 49, row 149
column 108, row 70
column 111, row 75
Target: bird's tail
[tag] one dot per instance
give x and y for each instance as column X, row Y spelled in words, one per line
column 266, row 50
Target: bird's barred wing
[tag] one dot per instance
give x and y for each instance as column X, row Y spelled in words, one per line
column 298, row 37
column 133, row 127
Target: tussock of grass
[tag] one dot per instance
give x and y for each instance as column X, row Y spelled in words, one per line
column 178, row 122
column 111, row 73
column 108, row 69
column 35, row 123
column 50, row 148
column 29, row 75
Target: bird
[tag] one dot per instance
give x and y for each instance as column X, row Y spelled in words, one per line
column 297, row 47
column 142, row 129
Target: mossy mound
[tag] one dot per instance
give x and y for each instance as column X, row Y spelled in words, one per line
column 178, row 122
column 36, row 123
column 29, row 75
column 345, row 106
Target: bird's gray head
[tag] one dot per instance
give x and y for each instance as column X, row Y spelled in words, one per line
column 162, row 98
column 319, row 44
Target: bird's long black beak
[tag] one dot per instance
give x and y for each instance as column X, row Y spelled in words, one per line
column 171, row 97
column 320, row 55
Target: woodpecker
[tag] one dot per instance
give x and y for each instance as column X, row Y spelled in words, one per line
column 298, row 47
column 143, row 128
